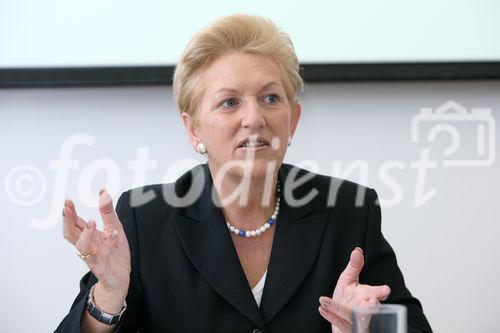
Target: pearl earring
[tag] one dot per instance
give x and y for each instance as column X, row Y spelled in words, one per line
column 201, row 148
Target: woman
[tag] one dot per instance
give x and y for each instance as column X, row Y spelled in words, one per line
column 244, row 243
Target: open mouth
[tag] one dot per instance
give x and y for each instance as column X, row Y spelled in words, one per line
column 254, row 143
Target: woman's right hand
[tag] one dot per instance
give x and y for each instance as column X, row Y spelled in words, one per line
column 109, row 258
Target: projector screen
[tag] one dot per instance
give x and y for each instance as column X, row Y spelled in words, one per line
column 95, row 33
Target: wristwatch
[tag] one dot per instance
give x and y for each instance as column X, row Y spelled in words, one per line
column 100, row 315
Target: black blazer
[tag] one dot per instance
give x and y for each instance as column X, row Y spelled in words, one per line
column 186, row 275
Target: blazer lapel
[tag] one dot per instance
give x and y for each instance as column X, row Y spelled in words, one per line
column 208, row 244
column 297, row 241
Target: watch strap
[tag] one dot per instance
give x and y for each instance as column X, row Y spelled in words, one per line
column 99, row 314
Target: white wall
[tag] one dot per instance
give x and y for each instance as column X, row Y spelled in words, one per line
column 60, row 33
column 447, row 247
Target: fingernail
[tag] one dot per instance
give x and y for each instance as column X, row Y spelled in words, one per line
column 360, row 249
column 325, row 301
column 90, row 224
column 114, row 235
column 102, row 191
column 66, row 202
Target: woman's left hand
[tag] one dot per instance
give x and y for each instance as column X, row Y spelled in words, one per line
column 349, row 293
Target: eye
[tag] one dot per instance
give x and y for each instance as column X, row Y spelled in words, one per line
column 272, row 99
column 229, row 103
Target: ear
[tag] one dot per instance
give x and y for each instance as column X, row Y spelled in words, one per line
column 189, row 123
column 294, row 120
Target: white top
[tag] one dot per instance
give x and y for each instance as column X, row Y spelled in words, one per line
column 259, row 288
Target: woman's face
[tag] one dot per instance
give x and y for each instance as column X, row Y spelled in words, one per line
column 244, row 114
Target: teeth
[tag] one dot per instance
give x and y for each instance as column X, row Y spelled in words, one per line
column 254, row 144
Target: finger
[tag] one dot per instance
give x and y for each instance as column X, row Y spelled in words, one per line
column 108, row 214
column 379, row 292
column 72, row 224
column 383, row 292
column 350, row 274
column 334, row 319
column 336, row 307
column 81, row 223
column 84, row 243
column 71, row 230
column 73, row 214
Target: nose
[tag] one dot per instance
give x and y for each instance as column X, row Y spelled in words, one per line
column 253, row 116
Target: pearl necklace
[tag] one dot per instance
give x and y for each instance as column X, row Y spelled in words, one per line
column 259, row 231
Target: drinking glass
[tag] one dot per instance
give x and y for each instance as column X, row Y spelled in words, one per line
column 380, row 318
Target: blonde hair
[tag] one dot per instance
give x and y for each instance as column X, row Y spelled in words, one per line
column 230, row 34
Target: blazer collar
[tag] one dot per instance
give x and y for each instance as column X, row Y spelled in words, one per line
column 208, row 245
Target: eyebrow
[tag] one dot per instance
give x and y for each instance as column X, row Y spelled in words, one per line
column 231, row 90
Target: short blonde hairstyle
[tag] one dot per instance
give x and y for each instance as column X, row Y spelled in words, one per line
column 237, row 33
